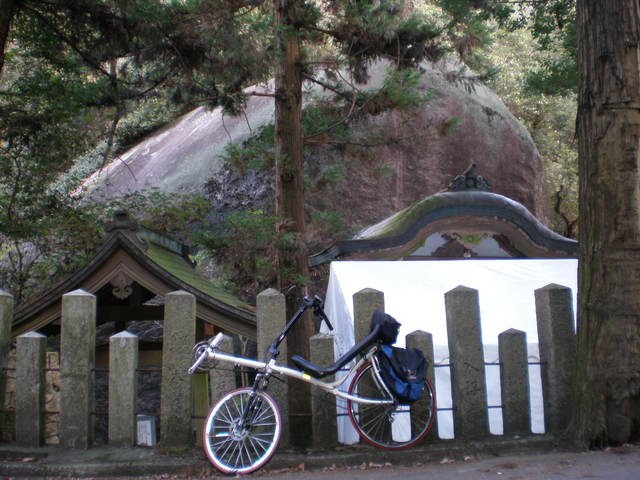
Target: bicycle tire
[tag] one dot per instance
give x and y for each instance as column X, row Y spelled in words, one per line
column 234, row 448
column 389, row 426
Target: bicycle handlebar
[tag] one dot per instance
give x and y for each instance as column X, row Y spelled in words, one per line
column 318, row 309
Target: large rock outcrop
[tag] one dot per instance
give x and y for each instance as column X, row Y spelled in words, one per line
column 395, row 157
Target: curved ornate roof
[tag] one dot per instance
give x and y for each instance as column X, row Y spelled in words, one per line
column 467, row 218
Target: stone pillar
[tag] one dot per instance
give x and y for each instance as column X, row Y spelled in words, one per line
column 514, row 382
column 30, row 386
column 271, row 318
column 123, row 386
column 223, row 379
column 365, row 302
column 468, row 385
column 77, row 361
column 6, row 319
column 423, row 341
column 557, row 343
column 179, row 336
column 323, row 407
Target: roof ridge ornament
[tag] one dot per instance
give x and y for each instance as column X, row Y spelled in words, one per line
column 121, row 221
column 126, row 225
column 468, row 180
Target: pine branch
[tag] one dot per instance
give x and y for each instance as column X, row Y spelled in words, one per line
column 327, row 86
column 92, row 62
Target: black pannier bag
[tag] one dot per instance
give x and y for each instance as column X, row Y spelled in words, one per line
column 389, row 327
column 403, row 372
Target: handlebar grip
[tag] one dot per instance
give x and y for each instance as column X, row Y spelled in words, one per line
column 216, row 340
column 318, row 309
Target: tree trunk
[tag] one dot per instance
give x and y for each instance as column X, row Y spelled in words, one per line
column 7, row 8
column 293, row 269
column 608, row 125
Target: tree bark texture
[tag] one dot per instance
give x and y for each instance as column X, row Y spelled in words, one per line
column 7, row 8
column 608, row 126
column 293, row 270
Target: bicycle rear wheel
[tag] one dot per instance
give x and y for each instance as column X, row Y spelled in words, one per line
column 389, row 426
column 242, row 431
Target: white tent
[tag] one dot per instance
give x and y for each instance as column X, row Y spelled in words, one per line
column 414, row 295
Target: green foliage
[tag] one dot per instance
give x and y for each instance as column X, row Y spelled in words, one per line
column 325, row 118
column 467, row 27
column 401, row 90
column 552, row 20
column 169, row 214
column 552, row 24
column 451, row 125
column 52, row 240
column 83, row 166
column 255, row 153
column 246, row 242
column 557, row 71
column 147, row 116
column 549, row 118
column 331, row 222
column 42, row 126
column 554, row 76
column 333, row 174
column 66, row 234
column 369, row 30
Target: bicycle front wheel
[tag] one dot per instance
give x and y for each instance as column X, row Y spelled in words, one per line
column 388, row 426
column 242, row 431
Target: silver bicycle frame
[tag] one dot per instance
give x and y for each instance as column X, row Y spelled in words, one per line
column 212, row 353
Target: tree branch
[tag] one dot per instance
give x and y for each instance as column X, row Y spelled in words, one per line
column 85, row 56
column 261, row 94
column 327, row 86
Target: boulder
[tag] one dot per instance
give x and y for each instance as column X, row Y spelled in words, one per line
column 392, row 159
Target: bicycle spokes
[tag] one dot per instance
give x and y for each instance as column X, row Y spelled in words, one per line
column 384, row 425
column 242, row 431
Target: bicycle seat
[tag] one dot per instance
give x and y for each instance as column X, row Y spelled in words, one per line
column 319, row 372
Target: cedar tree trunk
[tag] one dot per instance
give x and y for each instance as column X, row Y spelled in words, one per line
column 608, row 127
column 293, row 269
column 7, row 8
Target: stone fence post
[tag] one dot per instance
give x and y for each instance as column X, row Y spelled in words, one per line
column 271, row 318
column 558, row 347
column 77, row 362
column 365, row 302
column 123, row 389
column 6, row 319
column 423, row 341
column 514, row 382
column 323, row 409
column 30, row 386
column 179, row 336
column 468, row 385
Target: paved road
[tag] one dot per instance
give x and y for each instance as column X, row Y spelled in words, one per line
column 494, row 461
column 612, row 464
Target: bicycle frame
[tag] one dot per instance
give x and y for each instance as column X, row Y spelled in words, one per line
column 271, row 367
column 244, row 425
